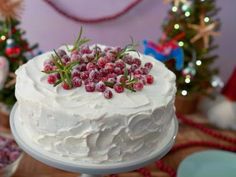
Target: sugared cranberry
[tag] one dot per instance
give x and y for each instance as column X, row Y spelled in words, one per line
column 48, row 67
column 101, row 62
column 75, row 73
column 90, row 66
column 75, row 57
column 100, row 87
column 118, row 71
column 61, row 52
column 108, row 94
column 94, row 75
column 148, row 65
column 52, row 79
column 77, row 82
column 81, row 67
column 109, row 67
column 65, row 86
column 149, row 79
column 48, row 62
column 85, row 50
column 145, row 70
column 118, row 88
column 90, row 87
column 138, row 86
column 133, row 67
column 112, row 75
column 65, row 59
column 128, row 59
column 120, row 63
column 111, row 80
column 84, row 75
column 103, row 72
column 121, row 79
column 138, row 71
column 137, row 61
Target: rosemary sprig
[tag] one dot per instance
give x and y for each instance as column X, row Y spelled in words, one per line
column 80, row 41
column 64, row 70
column 128, row 48
column 127, row 83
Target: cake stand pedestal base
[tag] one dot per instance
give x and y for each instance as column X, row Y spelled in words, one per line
column 87, row 170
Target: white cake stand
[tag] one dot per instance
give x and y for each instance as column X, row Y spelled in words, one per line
column 87, row 170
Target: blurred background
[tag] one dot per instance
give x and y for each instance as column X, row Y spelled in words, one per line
column 50, row 29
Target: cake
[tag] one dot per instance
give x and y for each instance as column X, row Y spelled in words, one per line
column 95, row 126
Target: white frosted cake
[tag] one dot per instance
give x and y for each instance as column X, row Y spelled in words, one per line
column 82, row 125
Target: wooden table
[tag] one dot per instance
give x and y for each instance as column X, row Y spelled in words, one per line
column 32, row 168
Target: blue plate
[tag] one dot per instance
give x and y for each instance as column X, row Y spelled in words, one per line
column 212, row 163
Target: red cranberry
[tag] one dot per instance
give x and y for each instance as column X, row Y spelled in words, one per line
column 52, row 79
column 81, row 67
column 85, row 50
column 109, row 67
column 75, row 73
column 137, row 61
column 101, row 62
column 133, row 67
column 77, row 82
column 94, row 75
column 108, row 94
column 90, row 87
column 65, row 86
column 145, row 70
column 128, row 59
column 111, row 80
column 118, row 88
column 138, row 71
column 75, row 57
column 48, row 62
column 149, row 79
column 120, row 63
column 103, row 72
column 148, row 65
column 90, row 66
column 48, row 67
column 118, row 71
column 138, row 86
column 65, row 59
column 84, row 75
column 61, row 52
column 121, row 79
column 100, row 87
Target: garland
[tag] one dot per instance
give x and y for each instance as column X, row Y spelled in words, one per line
column 92, row 20
column 208, row 131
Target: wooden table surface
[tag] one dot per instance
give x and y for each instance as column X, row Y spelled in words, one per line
column 32, row 168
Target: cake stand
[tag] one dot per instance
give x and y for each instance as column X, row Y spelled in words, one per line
column 87, row 170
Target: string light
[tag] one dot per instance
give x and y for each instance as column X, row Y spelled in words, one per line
column 187, row 14
column 187, row 80
column 181, row 43
column 206, row 19
column 3, row 38
column 185, row 7
column 184, row 92
column 174, row 9
column 176, row 26
column 198, row 62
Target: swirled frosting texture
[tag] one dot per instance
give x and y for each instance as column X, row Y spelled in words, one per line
column 86, row 127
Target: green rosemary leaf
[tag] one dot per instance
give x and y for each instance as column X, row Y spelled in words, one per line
column 58, row 57
column 126, row 73
column 51, row 72
column 71, row 65
column 109, row 84
column 58, row 65
column 57, row 83
column 68, row 79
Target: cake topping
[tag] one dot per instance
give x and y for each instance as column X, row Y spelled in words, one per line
column 100, row 70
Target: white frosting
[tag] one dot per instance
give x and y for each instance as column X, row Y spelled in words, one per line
column 87, row 127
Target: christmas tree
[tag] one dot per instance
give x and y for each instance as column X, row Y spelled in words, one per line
column 14, row 49
column 193, row 25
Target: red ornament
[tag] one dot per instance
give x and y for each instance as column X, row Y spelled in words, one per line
column 230, row 88
column 13, row 52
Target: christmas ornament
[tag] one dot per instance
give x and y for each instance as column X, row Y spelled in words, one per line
column 176, row 2
column 10, row 9
column 166, row 51
column 190, row 70
column 204, row 31
column 4, row 70
column 12, row 50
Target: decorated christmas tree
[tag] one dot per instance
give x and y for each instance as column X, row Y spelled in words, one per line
column 192, row 26
column 14, row 49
